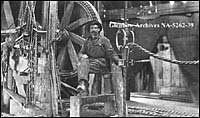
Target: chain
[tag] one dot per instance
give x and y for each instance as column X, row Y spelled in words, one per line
column 159, row 112
column 162, row 58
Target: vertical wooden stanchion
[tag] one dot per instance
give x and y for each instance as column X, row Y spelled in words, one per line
column 7, row 22
column 118, row 91
column 52, row 30
column 75, row 106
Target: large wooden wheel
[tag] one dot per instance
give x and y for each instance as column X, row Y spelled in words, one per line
column 75, row 17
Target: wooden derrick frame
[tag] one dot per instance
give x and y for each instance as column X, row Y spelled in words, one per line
column 50, row 18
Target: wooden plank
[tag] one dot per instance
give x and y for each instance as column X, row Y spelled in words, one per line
column 137, row 81
column 125, row 52
column 166, row 69
column 75, row 106
column 163, row 9
column 61, row 57
column 159, row 71
column 141, row 79
column 9, row 84
column 74, row 25
column 53, row 13
column 152, row 61
column 77, row 101
column 20, row 84
column 21, row 12
column 109, row 108
column 67, row 15
column 181, row 78
column 118, row 83
column 42, row 87
column 9, row 31
column 30, row 109
column 107, row 84
column 19, row 99
column 45, row 13
column 17, row 110
column 76, row 38
column 99, row 98
column 73, row 90
column 72, row 54
column 175, row 71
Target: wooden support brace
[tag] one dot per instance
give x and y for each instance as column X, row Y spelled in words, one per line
column 72, row 54
column 75, row 106
column 20, row 100
column 76, row 102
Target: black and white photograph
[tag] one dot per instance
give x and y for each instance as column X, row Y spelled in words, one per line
column 99, row 58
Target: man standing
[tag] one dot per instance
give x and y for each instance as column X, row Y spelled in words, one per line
column 94, row 56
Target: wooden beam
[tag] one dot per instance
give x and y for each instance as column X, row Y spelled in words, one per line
column 75, row 106
column 78, row 23
column 21, row 12
column 69, row 87
column 76, row 102
column 53, row 13
column 163, row 9
column 18, row 98
column 98, row 98
column 9, row 84
column 118, row 90
column 72, row 54
column 67, row 15
column 45, row 13
column 21, row 101
column 8, row 16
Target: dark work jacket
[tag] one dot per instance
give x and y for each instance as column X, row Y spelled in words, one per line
column 101, row 48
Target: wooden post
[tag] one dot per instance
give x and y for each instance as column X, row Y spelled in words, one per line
column 118, row 90
column 7, row 22
column 72, row 54
column 109, row 108
column 75, row 106
column 53, row 20
column 124, row 77
column 125, row 54
column 76, row 102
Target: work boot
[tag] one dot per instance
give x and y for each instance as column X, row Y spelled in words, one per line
column 82, row 88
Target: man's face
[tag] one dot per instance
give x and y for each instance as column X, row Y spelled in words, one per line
column 94, row 30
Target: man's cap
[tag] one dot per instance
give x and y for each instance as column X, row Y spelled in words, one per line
column 95, row 22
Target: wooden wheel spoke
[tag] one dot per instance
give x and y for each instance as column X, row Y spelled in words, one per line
column 8, row 17
column 78, row 23
column 69, row 87
column 67, row 15
column 61, row 55
column 76, row 38
column 72, row 54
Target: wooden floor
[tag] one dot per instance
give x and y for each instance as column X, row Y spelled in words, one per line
column 97, row 109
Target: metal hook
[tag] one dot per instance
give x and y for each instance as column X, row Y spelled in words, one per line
column 133, row 35
column 117, row 41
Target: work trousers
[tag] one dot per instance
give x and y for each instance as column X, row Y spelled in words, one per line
column 100, row 69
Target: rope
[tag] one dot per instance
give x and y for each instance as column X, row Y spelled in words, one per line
column 162, row 58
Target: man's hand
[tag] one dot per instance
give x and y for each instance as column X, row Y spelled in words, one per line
column 84, row 56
